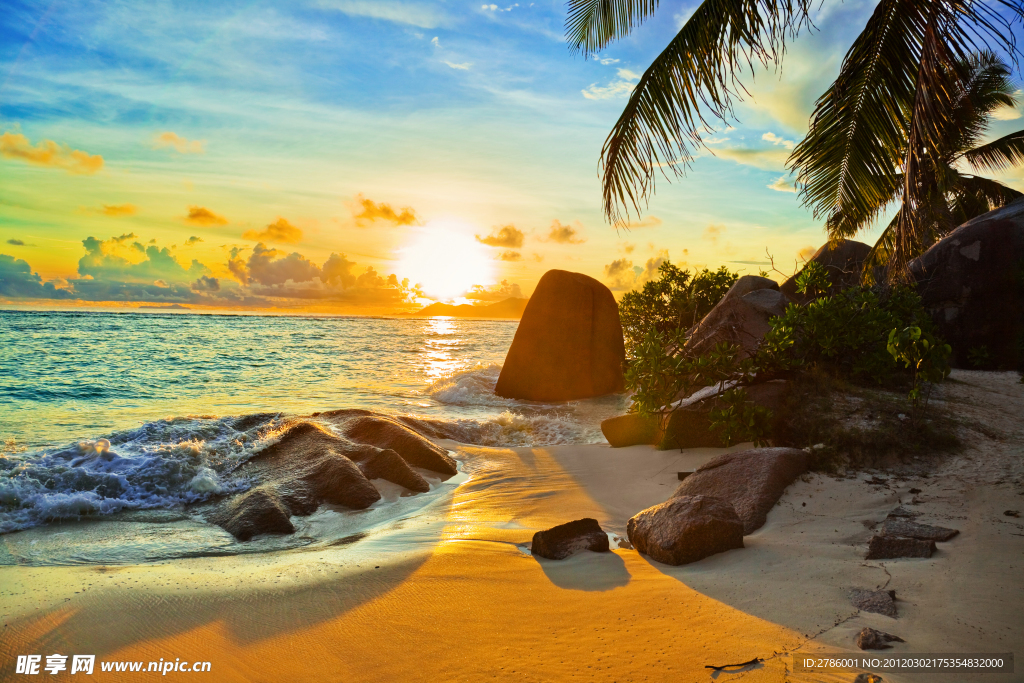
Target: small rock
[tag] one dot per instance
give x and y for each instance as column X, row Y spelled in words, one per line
column 1012, row 513
column 685, row 529
column 878, row 602
column 924, row 532
column 559, row 542
column 915, row 490
column 895, row 547
column 877, row 481
column 868, row 678
column 903, row 512
column 870, row 639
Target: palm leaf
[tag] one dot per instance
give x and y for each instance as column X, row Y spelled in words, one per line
column 592, row 24
column 691, row 84
column 1004, row 153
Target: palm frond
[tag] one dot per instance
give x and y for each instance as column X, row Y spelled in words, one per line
column 999, row 155
column 592, row 24
column 976, row 195
column 690, row 84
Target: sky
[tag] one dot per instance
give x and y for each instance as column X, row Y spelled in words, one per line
column 367, row 156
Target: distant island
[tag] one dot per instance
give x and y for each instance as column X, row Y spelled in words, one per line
column 176, row 307
column 509, row 308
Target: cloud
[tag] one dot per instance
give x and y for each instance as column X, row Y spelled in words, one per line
column 193, row 240
column 607, row 61
column 206, row 284
column 18, row 243
column 806, row 253
column 619, row 274
column 1007, row 113
column 435, row 42
column 117, row 210
column 765, row 159
column 615, row 89
column 103, row 261
column 649, row 222
column 510, row 255
column 278, row 231
column 713, row 232
column 18, row 280
column 564, row 234
column 499, row 292
column 463, row 67
column 200, row 215
column 776, row 140
column 412, row 13
column 494, row 8
column 49, row 153
column 180, row 144
column 782, row 184
column 507, row 236
column 371, row 211
column 269, row 266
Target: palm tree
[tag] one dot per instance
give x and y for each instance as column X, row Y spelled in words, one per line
column 940, row 191
column 865, row 117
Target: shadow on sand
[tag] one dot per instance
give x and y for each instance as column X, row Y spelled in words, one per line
column 586, row 571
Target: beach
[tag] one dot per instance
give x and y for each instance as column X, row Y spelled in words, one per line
column 457, row 596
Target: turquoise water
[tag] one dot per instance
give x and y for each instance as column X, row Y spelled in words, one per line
column 102, row 413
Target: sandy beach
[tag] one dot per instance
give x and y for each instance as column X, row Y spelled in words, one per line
column 458, row 596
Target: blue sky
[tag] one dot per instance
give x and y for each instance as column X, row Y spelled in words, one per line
column 471, row 116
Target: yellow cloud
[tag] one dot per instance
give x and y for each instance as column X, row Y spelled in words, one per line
column 507, row 236
column 806, row 253
column 713, row 232
column 510, row 255
column 782, row 184
column 180, row 144
column 118, row 210
column 649, row 222
column 49, row 153
column 372, row 211
column 565, row 234
column 765, row 159
column 278, row 231
column 200, row 215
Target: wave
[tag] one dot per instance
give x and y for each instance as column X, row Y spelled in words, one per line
column 470, row 387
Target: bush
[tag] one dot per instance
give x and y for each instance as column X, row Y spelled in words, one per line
column 674, row 302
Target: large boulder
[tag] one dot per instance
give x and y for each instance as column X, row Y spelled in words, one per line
column 568, row 345
column 741, row 317
column 686, row 529
column 750, row 481
column 844, row 263
column 559, row 542
column 972, row 283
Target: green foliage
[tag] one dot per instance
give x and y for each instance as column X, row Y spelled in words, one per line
column 735, row 419
column 980, row 357
column 813, row 279
column 921, row 352
column 674, row 302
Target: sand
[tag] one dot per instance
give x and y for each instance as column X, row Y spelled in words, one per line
column 457, row 597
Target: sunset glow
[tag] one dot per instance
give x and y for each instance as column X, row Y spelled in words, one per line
column 445, row 260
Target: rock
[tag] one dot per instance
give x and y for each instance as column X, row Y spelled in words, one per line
column 750, row 481
column 257, row 511
column 558, row 543
column 384, row 432
column 903, row 512
column 895, row 547
column 868, row 678
column 870, row 639
column 969, row 282
column 337, row 480
column 924, row 532
column 843, row 264
column 686, row 529
column 630, row 429
column 878, row 602
column 690, row 425
column 386, row 464
column 741, row 317
column 1012, row 513
column 569, row 343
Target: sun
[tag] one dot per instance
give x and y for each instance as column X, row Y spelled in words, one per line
column 444, row 258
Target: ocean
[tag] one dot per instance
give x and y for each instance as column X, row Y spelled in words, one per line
column 108, row 413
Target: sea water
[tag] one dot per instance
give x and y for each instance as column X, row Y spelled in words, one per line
column 105, row 415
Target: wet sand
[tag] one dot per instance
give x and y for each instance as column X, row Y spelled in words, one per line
column 456, row 597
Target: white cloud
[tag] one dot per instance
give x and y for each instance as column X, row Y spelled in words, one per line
column 608, row 60
column 495, row 8
column 412, row 13
column 615, row 89
column 776, row 140
column 782, row 184
column 683, row 17
column 628, row 75
column 463, row 67
column 765, row 159
column 1006, row 114
column 435, row 42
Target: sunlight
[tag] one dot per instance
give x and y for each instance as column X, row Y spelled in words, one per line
column 445, row 260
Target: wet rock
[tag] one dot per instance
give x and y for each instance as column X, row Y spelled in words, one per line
column 559, row 542
column 877, row 602
column 969, row 282
column 384, row 432
column 924, row 532
column 686, row 529
column 750, row 481
column 630, row 429
column 843, row 264
column 385, row 463
column 870, row 639
column 895, row 547
column 257, row 511
column 568, row 345
column 741, row 317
